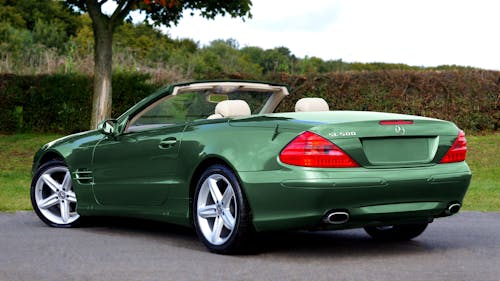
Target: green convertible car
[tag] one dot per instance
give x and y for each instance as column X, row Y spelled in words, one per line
column 215, row 156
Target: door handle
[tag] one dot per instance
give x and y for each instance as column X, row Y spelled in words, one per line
column 167, row 143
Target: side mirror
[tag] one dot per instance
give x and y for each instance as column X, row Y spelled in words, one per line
column 107, row 127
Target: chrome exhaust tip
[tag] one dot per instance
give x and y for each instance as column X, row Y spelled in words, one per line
column 337, row 217
column 453, row 208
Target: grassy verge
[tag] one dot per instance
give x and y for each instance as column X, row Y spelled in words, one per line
column 16, row 154
column 483, row 157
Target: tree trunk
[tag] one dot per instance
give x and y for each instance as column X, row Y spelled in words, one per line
column 101, row 102
column 103, row 40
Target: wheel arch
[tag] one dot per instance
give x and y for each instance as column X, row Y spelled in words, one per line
column 202, row 166
column 46, row 157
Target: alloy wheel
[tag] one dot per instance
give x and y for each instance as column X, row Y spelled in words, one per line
column 54, row 196
column 216, row 209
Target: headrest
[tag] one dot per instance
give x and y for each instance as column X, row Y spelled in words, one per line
column 311, row 104
column 215, row 116
column 233, row 108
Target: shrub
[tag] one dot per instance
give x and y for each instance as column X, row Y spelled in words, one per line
column 62, row 102
column 470, row 98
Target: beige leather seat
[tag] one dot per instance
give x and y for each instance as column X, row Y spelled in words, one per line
column 311, row 104
column 231, row 108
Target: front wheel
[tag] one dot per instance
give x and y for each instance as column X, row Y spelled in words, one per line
column 52, row 195
column 396, row 232
column 220, row 213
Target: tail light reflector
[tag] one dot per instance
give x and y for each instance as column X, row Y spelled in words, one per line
column 457, row 151
column 311, row 150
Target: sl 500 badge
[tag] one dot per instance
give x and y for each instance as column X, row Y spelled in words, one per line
column 342, row 134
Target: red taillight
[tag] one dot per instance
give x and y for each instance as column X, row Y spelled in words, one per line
column 312, row 150
column 396, row 122
column 457, row 151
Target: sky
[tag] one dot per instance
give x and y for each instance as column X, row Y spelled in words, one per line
column 419, row 33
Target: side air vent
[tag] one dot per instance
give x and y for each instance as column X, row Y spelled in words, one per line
column 84, row 176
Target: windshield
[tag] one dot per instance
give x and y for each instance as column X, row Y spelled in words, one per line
column 199, row 101
column 189, row 106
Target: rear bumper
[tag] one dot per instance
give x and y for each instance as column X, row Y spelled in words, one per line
column 296, row 197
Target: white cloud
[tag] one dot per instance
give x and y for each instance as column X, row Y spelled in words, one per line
column 425, row 32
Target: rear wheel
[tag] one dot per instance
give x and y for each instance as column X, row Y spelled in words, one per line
column 220, row 212
column 52, row 195
column 396, row 232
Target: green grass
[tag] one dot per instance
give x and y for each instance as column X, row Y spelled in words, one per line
column 483, row 157
column 16, row 157
column 17, row 151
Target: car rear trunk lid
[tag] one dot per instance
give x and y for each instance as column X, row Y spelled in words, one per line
column 403, row 141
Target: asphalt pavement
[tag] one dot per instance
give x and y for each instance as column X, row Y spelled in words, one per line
column 463, row 247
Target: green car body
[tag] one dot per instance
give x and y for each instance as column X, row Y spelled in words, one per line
column 153, row 173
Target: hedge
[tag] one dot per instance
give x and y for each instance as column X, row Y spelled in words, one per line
column 470, row 98
column 62, row 102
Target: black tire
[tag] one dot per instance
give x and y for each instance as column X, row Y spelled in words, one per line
column 229, row 240
column 396, row 232
column 62, row 199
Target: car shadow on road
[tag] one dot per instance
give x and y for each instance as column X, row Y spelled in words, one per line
column 152, row 230
column 338, row 243
column 316, row 243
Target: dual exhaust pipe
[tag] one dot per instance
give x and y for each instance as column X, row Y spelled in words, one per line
column 341, row 217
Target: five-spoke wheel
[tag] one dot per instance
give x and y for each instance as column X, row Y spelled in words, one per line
column 220, row 213
column 52, row 195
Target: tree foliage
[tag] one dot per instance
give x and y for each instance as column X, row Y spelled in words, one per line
column 169, row 12
column 25, row 14
column 47, row 37
column 160, row 12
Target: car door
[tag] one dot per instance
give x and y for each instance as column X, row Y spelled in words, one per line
column 138, row 166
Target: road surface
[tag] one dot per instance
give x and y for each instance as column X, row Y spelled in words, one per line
column 463, row 247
